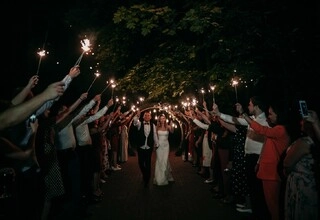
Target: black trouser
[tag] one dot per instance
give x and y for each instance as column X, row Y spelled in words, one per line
column 70, row 170
column 144, row 159
column 258, row 204
column 85, row 154
column 185, row 147
column 30, row 193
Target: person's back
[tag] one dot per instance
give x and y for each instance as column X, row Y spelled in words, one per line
column 303, row 176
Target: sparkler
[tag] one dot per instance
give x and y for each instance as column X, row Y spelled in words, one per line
column 113, row 85
column 108, row 84
column 41, row 53
column 97, row 75
column 202, row 91
column 115, row 104
column 235, row 83
column 212, row 87
column 85, row 47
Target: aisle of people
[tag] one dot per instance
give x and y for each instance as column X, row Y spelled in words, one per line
column 187, row 197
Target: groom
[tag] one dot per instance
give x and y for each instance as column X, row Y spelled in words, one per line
column 146, row 139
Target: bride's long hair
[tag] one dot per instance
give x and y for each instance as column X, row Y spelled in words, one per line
column 159, row 122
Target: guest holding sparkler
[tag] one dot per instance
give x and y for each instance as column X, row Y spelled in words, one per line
column 65, row 142
column 86, row 150
column 255, row 203
column 114, row 134
column 12, row 115
column 277, row 141
column 29, row 176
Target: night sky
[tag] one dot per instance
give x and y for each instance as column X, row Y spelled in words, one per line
column 41, row 25
column 42, row 28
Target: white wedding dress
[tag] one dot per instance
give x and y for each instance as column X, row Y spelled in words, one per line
column 162, row 173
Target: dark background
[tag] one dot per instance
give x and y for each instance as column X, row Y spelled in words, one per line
column 25, row 30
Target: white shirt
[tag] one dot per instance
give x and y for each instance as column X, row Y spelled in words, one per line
column 252, row 145
column 82, row 130
column 147, row 130
column 65, row 138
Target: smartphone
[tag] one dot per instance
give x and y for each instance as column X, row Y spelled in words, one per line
column 303, row 108
column 33, row 118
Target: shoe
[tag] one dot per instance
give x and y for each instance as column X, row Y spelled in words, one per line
column 115, row 168
column 208, row 181
column 238, row 205
column 244, row 209
column 102, row 181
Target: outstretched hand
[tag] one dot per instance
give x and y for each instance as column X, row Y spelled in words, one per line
column 312, row 117
column 74, row 71
column 33, row 81
column 54, row 90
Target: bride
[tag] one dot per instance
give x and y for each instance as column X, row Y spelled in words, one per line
column 162, row 173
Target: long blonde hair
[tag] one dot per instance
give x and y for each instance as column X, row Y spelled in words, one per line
column 159, row 122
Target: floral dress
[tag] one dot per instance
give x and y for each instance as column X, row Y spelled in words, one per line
column 301, row 198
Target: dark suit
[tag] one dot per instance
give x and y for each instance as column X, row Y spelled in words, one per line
column 144, row 154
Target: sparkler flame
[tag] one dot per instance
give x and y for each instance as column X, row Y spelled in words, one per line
column 235, row 82
column 85, row 45
column 42, row 53
column 97, row 74
column 111, row 83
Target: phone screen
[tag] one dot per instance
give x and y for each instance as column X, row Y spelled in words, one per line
column 303, row 108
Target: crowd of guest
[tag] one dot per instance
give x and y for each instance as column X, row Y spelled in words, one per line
column 265, row 159
column 55, row 157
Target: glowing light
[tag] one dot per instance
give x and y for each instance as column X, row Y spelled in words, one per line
column 113, row 85
column 107, row 86
column 85, row 47
column 234, row 83
column 41, row 54
column 212, row 87
column 97, row 75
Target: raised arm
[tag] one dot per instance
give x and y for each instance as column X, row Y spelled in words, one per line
column 99, row 113
column 22, row 95
column 97, row 99
column 313, row 118
column 136, row 121
column 228, row 118
column 204, row 116
column 62, row 116
column 18, row 113
column 229, row 126
column 73, row 73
